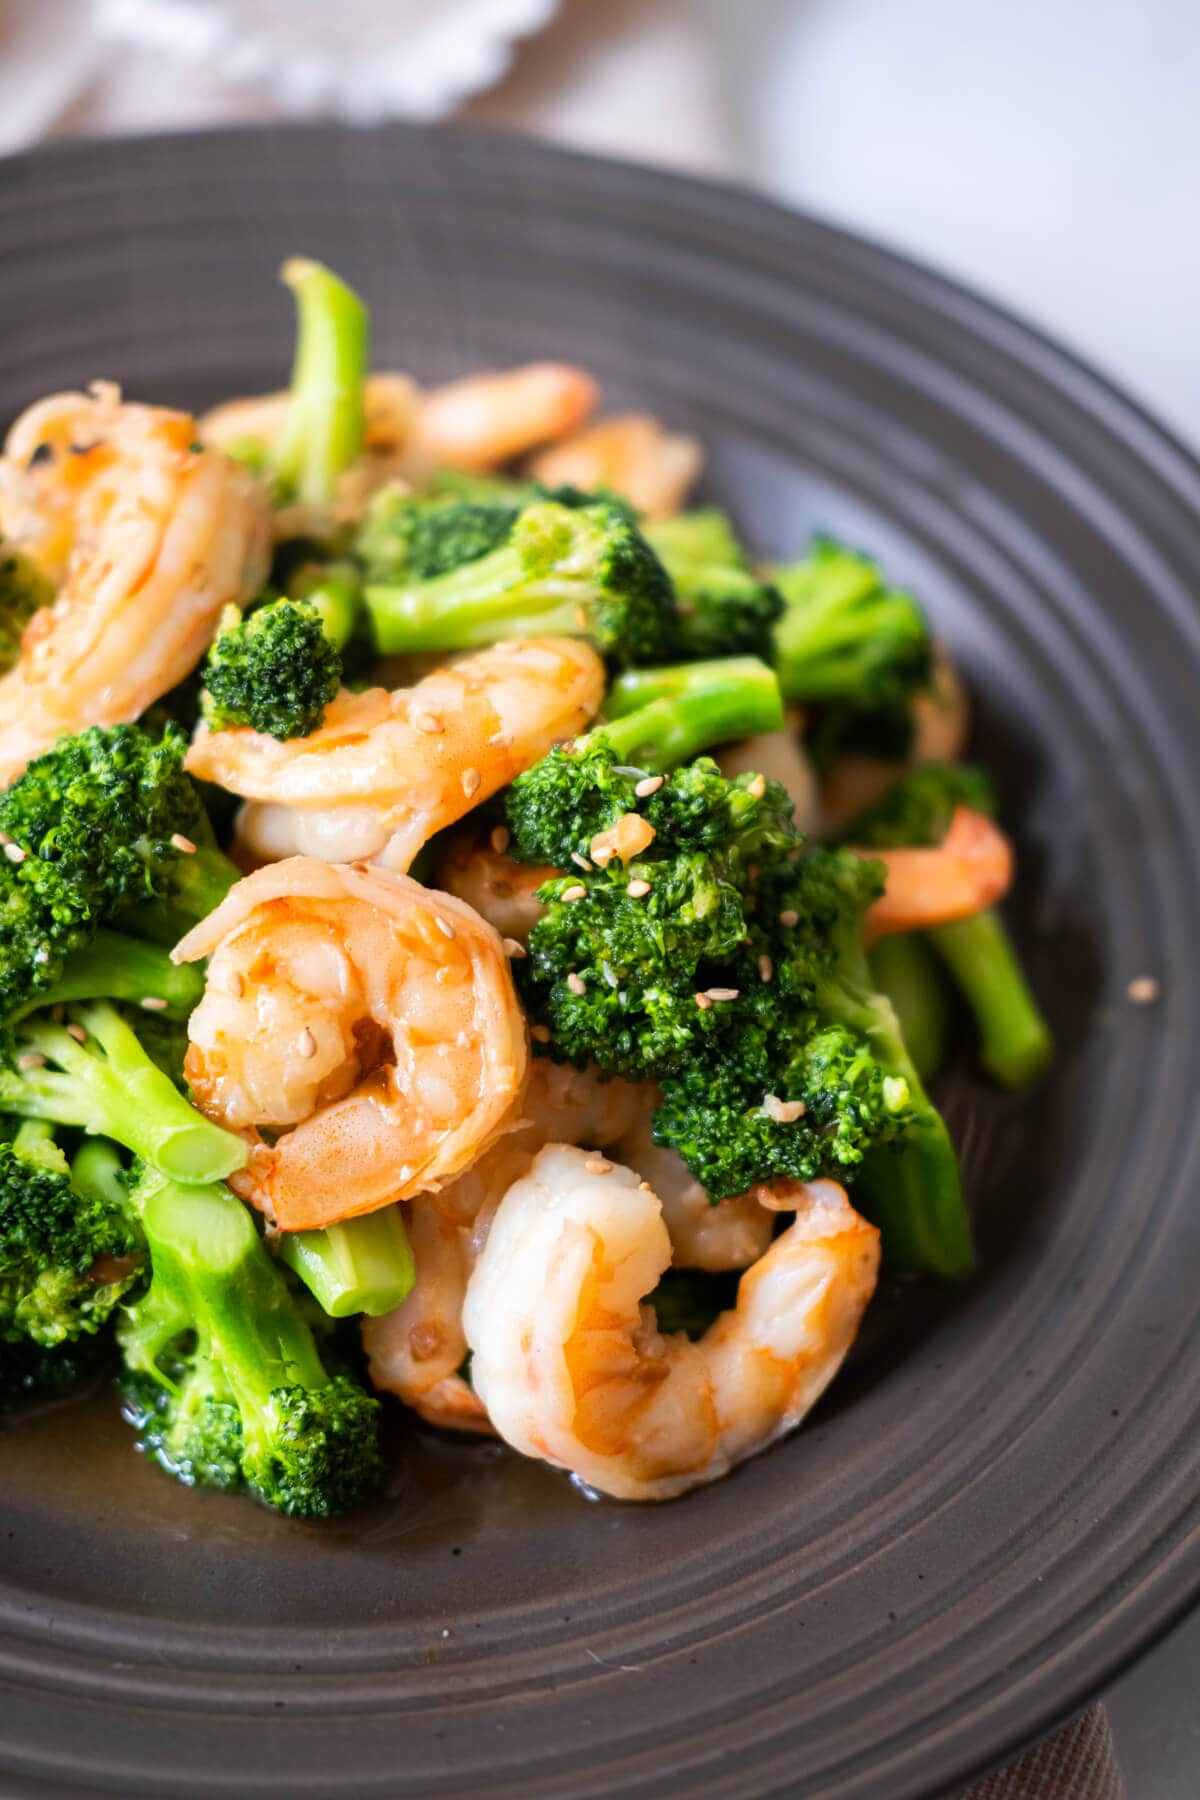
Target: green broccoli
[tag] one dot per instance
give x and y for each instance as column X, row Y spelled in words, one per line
column 359, row 1265
column 905, row 969
column 724, row 608
column 324, row 428
column 275, row 671
column 1015, row 1040
column 407, row 538
column 23, row 592
column 851, row 649
column 66, row 1257
column 579, row 571
column 224, row 1381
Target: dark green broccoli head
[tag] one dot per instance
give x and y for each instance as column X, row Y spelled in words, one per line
column 65, row 1260
column 189, row 1432
column 724, row 608
column 622, row 586
column 275, row 671
column 918, row 809
column 23, row 592
column 414, row 537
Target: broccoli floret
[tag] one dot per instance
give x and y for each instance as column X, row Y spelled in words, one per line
column 23, row 592
column 275, row 671
column 324, row 428
column 225, row 1383
column 724, row 608
column 92, row 1072
column 853, row 648
column 582, row 571
column 1015, row 1041
column 66, row 1257
column 411, row 538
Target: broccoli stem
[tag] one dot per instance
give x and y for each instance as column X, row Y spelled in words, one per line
column 905, row 969
column 1015, row 1040
column 116, row 967
column 323, row 431
column 97, row 1172
column 666, row 716
column 475, row 604
column 361, row 1265
column 336, row 592
column 108, row 1085
column 201, row 881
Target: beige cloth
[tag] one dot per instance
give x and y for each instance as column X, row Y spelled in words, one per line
column 1077, row 1763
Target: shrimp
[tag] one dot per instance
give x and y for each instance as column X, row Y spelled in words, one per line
column 416, row 1351
column 967, row 872
column 387, row 770
column 941, row 719
column 633, row 455
column 483, row 420
column 147, row 536
column 501, row 890
column 571, row 1366
column 367, row 1023
column 728, row 1235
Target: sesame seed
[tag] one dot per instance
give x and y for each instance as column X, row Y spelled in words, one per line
column 788, row 918
column 540, row 1034
column 766, row 968
column 78, row 1033
column 635, row 889
column 703, row 1002
column 429, row 723
column 1143, row 990
column 757, row 788
column 14, row 853
column 784, row 1112
column 183, row 844
column 306, row 1043
column 502, row 739
column 606, row 969
column 31, row 1059
column 650, row 785
column 513, row 949
column 720, row 993
column 470, row 782
column 501, row 838
column 644, row 1187
column 235, row 984
column 151, row 1003
column 597, row 1165
column 581, row 862
column 444, row 926
column 576, row 983
column 604, row 855
column 578, row 892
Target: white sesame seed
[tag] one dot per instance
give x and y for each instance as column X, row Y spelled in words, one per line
column 430, row 723
column 1143, row 990
column 541, row 1034
column 235, row 983
column 502, row 739
column 644, row 1187
column 606, row 969
column 470, row 782
column 784, row 1112
column 183, row 844
column 597, row 1165
column 703, row 1002
column 581, row 862
column 788, row 918
column 758, row 787
column 514, row 950
column 635, row 889
column 720, row 993
column 649, row 785
column 306, row 1044
column 78, row 1033
column 501, row 838
column 766, row 968
column 578, row 892
column 604, row 855
column 14, row 853
column 151, row 1003
column 31, row 1059
column 576, row 983
column 444, row 926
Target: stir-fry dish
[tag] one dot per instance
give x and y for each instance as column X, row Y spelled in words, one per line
column 470, row 932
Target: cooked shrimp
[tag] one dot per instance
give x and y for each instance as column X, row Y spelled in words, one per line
column 387, row 770
column 941, row 720
column 416, row 1350
column 729, row 1235
column 571, row 1366
column 633, row 455
column 968, row 871
column 501, row 890
column 368, row 1024
column 148, row 537
column 483, row 420
column 781, row 756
